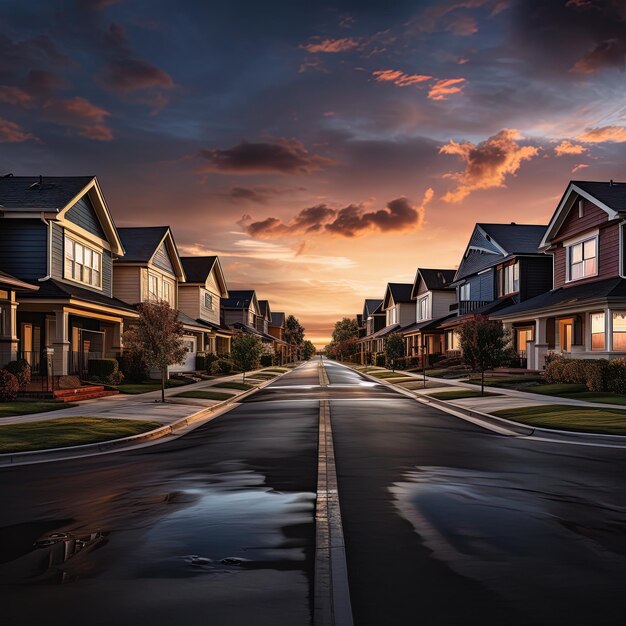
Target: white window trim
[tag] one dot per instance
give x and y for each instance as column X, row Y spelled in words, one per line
column 80, row 242
column 574, row 241
column 158, row 294
column 607, row 328
column 206, row 293
column 428, row 313
column 166, row 281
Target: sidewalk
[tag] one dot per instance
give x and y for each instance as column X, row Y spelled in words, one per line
column 144, row 406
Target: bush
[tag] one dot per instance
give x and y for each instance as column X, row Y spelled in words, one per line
column 593, row 373
column 222, row 366
column 21, row 370
column 267, row 360
column 105, row 371
column 554, row 372
column 209, row 359
column 9, row 386
column 133, row 367
column 616, row 376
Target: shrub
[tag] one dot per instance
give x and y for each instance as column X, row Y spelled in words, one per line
column 593, row 373
column 267, row 360
column 596, row 374
column 200, row 362
column 555, row 369
column 616, row 376
column 133, row 367
column 105, row 371
column 209, row 359
column 21, row 370
column 9, row 386
column 222, row 366
column 574, row 372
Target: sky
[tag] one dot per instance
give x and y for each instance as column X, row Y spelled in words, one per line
column 322, row 149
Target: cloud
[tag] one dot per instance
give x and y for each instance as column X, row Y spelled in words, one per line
column 601, row 134
column 286, row 156
column 567, row 147
column 580, row 166
column 399, row 215
column 260, row 194
column 10, row 132
column 14, row 95
column 446, row 87
column 606, row 54
column 400, row 79
column 462, row 25
column 488, row 163
column 332, row 46
column 79, row 113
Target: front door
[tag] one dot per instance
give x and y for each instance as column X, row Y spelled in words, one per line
column 27, row 343
column 566, row 329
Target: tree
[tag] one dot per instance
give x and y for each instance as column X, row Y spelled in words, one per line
column 308, row 350
column 345, row 328
column 246, row 351
column 485, row 344
column 157, row 338
column 294, row 332
column 394, row 349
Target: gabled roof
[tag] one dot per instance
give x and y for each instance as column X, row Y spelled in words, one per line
column 371, row 306
column 15, row 283
column 143, row 242
column 264, row 309
column 399, row 292
column 55, row 195
column 435, row 280
column 198, row 269
column 492, row 243
column 608, row 196
column 239, row 299
column 278, row 319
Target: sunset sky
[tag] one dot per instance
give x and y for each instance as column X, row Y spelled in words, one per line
column 322, row 149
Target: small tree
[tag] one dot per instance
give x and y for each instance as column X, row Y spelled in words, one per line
column 485, row 345
column 308, row 350
column 345, row 328
column 157, row 338
column 294, row 333
column 394, row 349
column 246, row 351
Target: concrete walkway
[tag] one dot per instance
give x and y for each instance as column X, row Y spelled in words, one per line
column 144, row 406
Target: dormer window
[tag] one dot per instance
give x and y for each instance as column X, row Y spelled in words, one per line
column 208, row 300
column 582, row 258
column 422, row 309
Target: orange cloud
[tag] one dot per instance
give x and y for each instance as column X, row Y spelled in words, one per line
column 567, row 147
column 446, row 87
column 10, row 132
column 609, row 53
column 614, row 134
column 400, row 79
column 87, row 118
column 488, row 163
column 14, row 95
column 580, row 166
column 332, row 46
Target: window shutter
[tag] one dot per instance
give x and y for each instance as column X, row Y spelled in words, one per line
column 550, row 332
column 577, row 339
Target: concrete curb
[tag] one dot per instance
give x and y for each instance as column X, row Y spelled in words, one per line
column 14, row 459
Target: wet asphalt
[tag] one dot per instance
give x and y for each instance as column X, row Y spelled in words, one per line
column 445, row 523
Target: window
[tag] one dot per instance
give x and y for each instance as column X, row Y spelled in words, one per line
column 619, row 330
column 208, row 300
column 82, row 264
column 524, row 335
column 598, row 334
column 453, row 340
column 153, row 287
column 465, row 291
column 583, row 259
column 393, row 316
column 167, row 292
column 422, row 309
column 508, row 279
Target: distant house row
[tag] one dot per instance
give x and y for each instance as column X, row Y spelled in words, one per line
column 559, row 288
column 70, row 280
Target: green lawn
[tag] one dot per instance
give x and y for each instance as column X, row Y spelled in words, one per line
column 447, row 373
column 145, row 387
column 233, row 384
column 388, row 374
column 513, row 382
column 460, row 394
column 26, row 407
column 563, row 417
column 594, row 396
column 278, row 370
column 556, row 389
column 204, row 395
column 67, row 431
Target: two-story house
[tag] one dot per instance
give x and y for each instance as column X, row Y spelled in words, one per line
column 200, row 297
column 277, row 330
column 434, row 295
column 502, row 265
column 399, row 312
column 374, row 319
column 584, row 314
column 57, row 233
column 240, row 312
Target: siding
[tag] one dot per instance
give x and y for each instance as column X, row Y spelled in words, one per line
column 406, row 312
column 84, row 215
column 233, row 316
column 127, row 283
column 482, row 287
column 24, row 248
column 189, row 301
column 535, row 276
column 593, row 217
column 441, row 301
column 162, row 260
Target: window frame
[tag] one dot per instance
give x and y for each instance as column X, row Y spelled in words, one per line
column 208, row 294
column 170, row 286
column 602, row 332
column 465, row 287
column 621, row 332
column 423, row 302
column 153, row 296
column 581, row 241
column 94, row 254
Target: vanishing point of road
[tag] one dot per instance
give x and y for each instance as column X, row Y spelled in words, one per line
column 444, row 522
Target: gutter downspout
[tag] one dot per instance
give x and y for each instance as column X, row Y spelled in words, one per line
column 48, row 223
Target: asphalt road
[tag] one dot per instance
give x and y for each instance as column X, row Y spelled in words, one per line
column 445, row 523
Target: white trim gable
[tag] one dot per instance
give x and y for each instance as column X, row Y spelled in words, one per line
column 172, row 251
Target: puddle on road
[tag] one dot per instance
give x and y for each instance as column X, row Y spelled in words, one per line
column 532, row 548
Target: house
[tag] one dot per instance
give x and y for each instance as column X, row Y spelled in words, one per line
column 434, row 295
column 57, row 233
column 502, row 265
column 200, row 297
column 373, row 320
column 584, row 313
column 241, row 313
column 277, row 330
column 399, row 313
column 9, row 340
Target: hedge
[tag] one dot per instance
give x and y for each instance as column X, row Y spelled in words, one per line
column 267, row 360
column 9, row 386
column 597, row 375
column 105, row 370
column 222, row 366
column 21, row 370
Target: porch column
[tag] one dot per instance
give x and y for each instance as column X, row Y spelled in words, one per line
column 541, row 342
column 8, row 329
column 61, row 342
column 117, row 341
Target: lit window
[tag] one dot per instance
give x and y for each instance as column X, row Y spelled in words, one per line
column 583, row 259
column 208, row 300
column 619, row 330
column 524, row 335
column 82, row 264
column 598, row 335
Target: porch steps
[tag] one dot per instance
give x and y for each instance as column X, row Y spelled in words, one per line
column 87, row 392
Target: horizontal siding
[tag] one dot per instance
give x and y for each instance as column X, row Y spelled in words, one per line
column 24, row 248
column 234, row 316
column 84, row 215
column 189, row 300
column 56, row 270
column 536, row 276
column 441, row 301
column 162, row 260
column 127, row 283
column 406, row 313
column 593, row 217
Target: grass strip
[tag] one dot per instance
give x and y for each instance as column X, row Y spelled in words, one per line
column 233, row 384
column 26, row 407
column 204, row 395
column 460, row 394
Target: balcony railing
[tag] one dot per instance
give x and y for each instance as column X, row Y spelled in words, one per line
column 468, row 306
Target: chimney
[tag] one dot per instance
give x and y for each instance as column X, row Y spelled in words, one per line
column 513, row 224
column 611, row 182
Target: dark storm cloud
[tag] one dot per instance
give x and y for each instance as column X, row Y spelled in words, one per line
column 260, row 194
column 286, row 156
